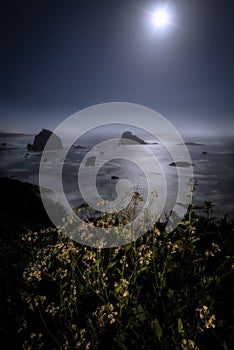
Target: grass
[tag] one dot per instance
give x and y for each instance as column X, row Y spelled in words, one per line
column 162, row 291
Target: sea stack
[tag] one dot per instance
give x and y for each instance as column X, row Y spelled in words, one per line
column 127, row 138
column 41, row 139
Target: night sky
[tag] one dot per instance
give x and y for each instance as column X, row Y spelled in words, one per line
column 58, row 57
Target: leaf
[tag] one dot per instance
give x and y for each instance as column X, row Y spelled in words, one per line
column 138, row 309
column 185, row 223
column 142, row 269
column 170, row 293
column 180, row 326
column 111, row 264
column 156, row 328
column 140, row 313
column 127, row 247
column 225, row 346
column 179, row 242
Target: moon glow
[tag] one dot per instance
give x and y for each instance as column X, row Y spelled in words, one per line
column 160, row 18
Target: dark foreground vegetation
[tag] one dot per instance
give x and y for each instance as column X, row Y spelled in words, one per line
column 163, row 291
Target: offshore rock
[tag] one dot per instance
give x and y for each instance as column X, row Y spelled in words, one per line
column 41, row 139
column 127, row 138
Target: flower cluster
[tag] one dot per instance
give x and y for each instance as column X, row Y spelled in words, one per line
column 144, row 255
column 105, row 314
column 215, row 248
column 206, row 317
column 188, row 345
column 121, row 288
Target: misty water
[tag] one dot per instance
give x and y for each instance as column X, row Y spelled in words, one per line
column 213, row 167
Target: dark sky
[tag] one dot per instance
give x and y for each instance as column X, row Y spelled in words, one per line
column 58, row 57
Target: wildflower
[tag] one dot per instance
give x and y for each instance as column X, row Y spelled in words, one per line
column 23, row 326
column 157, row 232
column 117, row 250
column 125, row 294
column 116, row 285
column 122, row 260
column 112, row 320
column 215, row 247
column 52, row 309
column 102, row 204
column 210, row 322
column 209, row 253
column 154, row 194
column 87, row 346
column 188, row 345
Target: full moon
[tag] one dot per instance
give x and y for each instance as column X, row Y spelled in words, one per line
column 160, row 18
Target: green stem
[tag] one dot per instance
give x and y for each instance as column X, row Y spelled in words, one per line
column 47, row 329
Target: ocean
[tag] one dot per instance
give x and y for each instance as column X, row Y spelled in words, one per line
column 212, row 159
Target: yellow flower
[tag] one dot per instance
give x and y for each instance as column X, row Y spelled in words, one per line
column 210, row 322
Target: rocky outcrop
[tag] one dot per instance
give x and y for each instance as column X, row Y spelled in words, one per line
column 127, row 137
column 21, row 203
column 181, row 164
column 41, row 139
column 90, row 161
column 192, row 144
column 79, row 147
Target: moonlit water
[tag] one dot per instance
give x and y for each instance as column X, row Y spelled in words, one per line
column 213, row 168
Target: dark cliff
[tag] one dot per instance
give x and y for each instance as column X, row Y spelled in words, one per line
column 41, row 139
